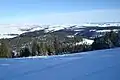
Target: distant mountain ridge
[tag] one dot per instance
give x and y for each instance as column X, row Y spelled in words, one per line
column 15, row 30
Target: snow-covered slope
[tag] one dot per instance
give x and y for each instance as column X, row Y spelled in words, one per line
column 22, row 28
column 103, row 24
column 19, row 29
column 94, row 65
column 85, row 41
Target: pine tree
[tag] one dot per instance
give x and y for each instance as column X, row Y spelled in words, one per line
column 114, row 38
column 102, row 43
column 4, row 50
column 56, row 44
column 43, row 48
column 24, row 52
column 34, row 48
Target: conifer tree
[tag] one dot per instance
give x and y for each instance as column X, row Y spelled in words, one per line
column 4, row 50
column 25, row 52
column 34, row 48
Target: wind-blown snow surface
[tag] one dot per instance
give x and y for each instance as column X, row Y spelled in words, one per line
column 94, row 65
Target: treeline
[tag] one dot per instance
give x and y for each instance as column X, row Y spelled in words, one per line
column 59, row 47
column 53, row 47
column 109, row 40
column 4, row 50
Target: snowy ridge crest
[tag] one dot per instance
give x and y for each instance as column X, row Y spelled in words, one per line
column 19, row 29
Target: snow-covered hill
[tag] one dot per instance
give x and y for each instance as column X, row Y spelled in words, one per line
column 7, row 29
column 103, row 24
column 94, row 65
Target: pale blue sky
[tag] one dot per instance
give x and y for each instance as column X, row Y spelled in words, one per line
column 58, row 11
